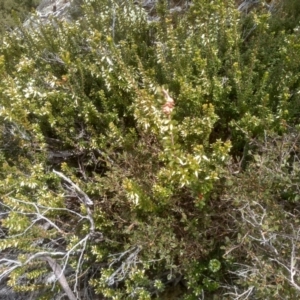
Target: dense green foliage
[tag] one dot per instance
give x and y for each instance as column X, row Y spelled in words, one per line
column 196, row 195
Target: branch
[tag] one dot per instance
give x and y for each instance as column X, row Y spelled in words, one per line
column 86, row 199
column 61, row 277
column 124, row 269
column 14, row 264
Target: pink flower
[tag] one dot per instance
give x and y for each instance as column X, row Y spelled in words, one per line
column 168, row 107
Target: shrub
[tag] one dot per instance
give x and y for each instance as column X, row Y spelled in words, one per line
column 116, row 130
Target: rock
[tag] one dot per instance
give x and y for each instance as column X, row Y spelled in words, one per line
column 60, row 9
